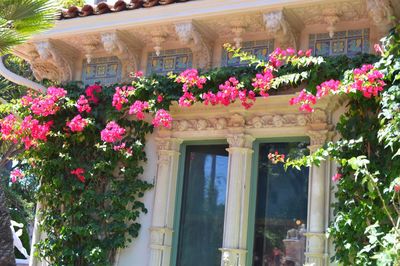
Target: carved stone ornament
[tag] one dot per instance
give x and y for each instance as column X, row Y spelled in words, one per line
column 240, row 140
column 380, row 12
column 277, row 25
column 51, row 60
column 116, row 44
column 189, row 34
column 331, row 17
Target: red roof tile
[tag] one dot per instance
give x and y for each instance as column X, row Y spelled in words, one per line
column 103, row 8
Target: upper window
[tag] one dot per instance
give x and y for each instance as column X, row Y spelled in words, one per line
column 106, row 70
column 350, row 42
column 261, row 49
column 176, row 60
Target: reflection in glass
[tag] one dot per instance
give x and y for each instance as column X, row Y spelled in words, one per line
column 203, row 206
column 281, row 209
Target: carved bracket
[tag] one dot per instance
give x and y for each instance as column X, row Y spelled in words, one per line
column 116, row 44
column 277, row 24
column 380, row 12
column 52, row 60
column 331, row 17
column 189, row 34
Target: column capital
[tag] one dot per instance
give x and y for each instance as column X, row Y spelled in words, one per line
column 233, row 256
column 240, row 140
column 318, row 138
column 168, row 144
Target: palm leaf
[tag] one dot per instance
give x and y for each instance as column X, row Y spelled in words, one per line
column 21, row 18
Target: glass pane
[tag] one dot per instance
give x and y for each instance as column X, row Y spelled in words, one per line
column 203, row 206
column 281, row 208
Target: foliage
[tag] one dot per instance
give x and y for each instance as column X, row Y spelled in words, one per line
column 365, row 230
column 86, row 147
column 69, row 3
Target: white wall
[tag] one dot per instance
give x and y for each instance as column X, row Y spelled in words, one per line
column 137, row 253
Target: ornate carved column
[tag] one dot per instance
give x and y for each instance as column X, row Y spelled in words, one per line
column 164, row 201
column 318, row 187
column 237, row 203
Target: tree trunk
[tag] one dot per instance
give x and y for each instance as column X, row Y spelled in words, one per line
column 7, row 257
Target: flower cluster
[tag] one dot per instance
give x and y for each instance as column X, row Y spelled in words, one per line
column 228, row 93
column 336, row 177
column 29, row 131
column 162, row 118
column 91, row 93
column 78, row 172
column 368, row 80
column 262, row 82
column 190, row 79
column 327, row 87
column 112, row 133
column 137, row 108
column 306, row 99
column 121, row 96
column 77, row 124
column 16, row 175
column 44, row 105
column 83, row 105
column 276, row 157
column 280, row 56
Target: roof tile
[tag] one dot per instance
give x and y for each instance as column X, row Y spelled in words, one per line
column 104, row 8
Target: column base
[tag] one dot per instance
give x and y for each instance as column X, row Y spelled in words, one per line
column 233, row 257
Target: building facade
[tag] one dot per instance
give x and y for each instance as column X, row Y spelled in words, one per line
column 217, row 200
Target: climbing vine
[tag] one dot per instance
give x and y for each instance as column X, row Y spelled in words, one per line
column 86, row 146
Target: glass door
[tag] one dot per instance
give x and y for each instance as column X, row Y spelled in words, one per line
column 203, row 206
column 281, row 208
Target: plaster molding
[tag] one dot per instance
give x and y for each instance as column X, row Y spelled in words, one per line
column 52, row 59
column 189, row 34
column 116, row 44
column 278, row 25
column 331, row 17
column 380, row 12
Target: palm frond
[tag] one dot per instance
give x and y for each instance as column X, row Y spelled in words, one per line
column 28, row 16
column 9, row 38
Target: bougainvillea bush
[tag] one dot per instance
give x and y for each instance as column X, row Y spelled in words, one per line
column 86, row 145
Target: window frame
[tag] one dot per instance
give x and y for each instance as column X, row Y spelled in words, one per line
column 253, row 189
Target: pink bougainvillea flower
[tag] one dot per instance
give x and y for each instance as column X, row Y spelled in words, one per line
column 336, row 177
column 159, row 98
column 162, row 118
column 262, row 82
column 112, row 133
column 83, row 105
column 367, row 80
column 378, row 49
column 138, row 74
column 396, row 188
column 121, row 96
column 56, row 93
column 78, row 172
column 77, row 124
column 306, row 99
column 119, row 147
column 327, row 87
column 16, row 175
column 7, row 127
column 91, row 93
column 137, row 109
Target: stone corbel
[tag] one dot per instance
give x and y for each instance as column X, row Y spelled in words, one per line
column 238, row 28
column 90, row 45
column 189, row 34
column 51, row 60
column 158, row 37
column 331, row 17
column 278, row 26
column 115, row 44
column 380, row 12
